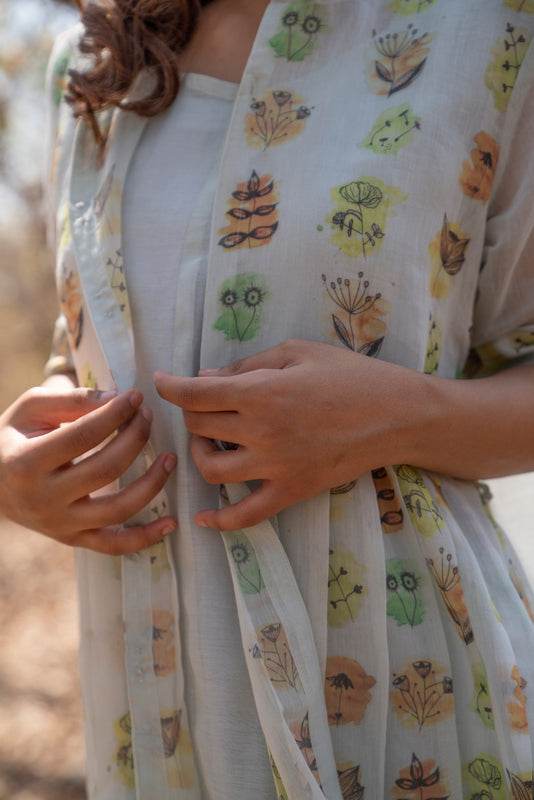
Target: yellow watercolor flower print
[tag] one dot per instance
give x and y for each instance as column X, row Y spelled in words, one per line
column 361, row 208
column 163, row 642
column 359, row 323
column 281, row 793
column 407, row 7
column 421, row 780
column 87, row 377
column 476, row 178
column 398, row 59
column 276, row 117
column 346, row 588
column 520, row 785
column 347, row 690
column 517, row 708
column 508, row 54
column 447, row 253
column 433, row 347
column 253, row 213
column 484, row 776
column 424, row 513
column 422, row 694
column 482, row 704
column 526, row 6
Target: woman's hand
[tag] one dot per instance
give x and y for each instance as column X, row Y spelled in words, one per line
column 306, row 417
column 40, row 486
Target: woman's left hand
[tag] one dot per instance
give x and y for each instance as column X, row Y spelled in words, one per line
column 305, row 416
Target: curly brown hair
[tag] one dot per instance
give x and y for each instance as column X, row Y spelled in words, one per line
column 124, row 37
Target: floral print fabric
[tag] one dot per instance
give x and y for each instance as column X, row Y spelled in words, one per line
column 373, row 193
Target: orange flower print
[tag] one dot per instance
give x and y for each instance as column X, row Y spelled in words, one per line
column 517, row 712
column 163, row 642
column 422, row 694
column 422, row 780
column 70, row 297
column 447, row 578
column 477, row 177
column 275, row 118
column 401, row 58
column 252, row 209
column 347, row 692
column 301, row 732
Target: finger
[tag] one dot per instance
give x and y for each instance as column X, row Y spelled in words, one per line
column 117, row 508
column 84, row 434
column 109, row 462
column 121, row 541
column 224, row 425
column 43, row 407
column 198, row 394
column 218, row 466
column 253, row 509
column 278, row 357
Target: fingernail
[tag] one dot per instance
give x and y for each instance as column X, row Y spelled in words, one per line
column 208, row 371
column 147, row 414
column 169, row 463
column 106, row 396
column 202, row 524
column 136, row 398
column 168, row 529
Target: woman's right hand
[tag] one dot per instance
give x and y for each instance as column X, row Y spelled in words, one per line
column 42, row 486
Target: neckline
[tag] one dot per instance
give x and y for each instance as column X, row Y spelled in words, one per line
column 209, row 85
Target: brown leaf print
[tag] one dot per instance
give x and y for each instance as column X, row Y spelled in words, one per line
column 477, row 176
column 253, row 213
column 447, row 252
column 347, row 692
column 163, row 642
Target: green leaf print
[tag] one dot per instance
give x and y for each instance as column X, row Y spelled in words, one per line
column 60, row 71
column 433, row 347
column 508, row 55
column 482, row 705
column 392, row 130
column 345, row 588
column 245, row 564
column 484, row 777
column 403, row 583
column 300, row 26
column 241, row 298
column 407, row 7
column 358, row 220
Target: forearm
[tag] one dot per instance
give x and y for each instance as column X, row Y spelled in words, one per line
column 475, row 428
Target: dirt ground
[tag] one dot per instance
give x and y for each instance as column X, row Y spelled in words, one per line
column 41, row 738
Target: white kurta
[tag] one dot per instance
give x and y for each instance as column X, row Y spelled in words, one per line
column 374, row 192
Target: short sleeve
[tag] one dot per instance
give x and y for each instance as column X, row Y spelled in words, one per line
column 503, row 319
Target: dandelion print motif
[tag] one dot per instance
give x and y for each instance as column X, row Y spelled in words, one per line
column 392, row 130
column 300, row 26
column 447, row 578
column 277, row 117
column 241, row 299
column 360, row 326
column 400, row 58
column 508, row 55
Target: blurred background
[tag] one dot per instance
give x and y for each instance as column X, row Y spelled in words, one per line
column 41, row 740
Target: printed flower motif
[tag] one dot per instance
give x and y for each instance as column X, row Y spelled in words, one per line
column 277, row 117
column 70, row 298
column 347, row 690
column 251, row 200
column 521, row 786
column 245, row 563
column 447, row 252
column 476, row 177
column 482, row 704
column 346, row 588
column 407, row 7
column 422, row 694
column 391, row 514
column 508, row 55
column 447, row 578
column 517, row 710
column 349, row 776
column 402, row 57
column 241, row 298
column 424, row 512
column 163, row 642
column 363, row 329
column 276, row 657
column 433, row 347
column 486, row 772
column 301, row 732
column 393, row 129
column 299, row 28
column 423, row 778
column 361, row 208
column 403, row 583
column 527, row 6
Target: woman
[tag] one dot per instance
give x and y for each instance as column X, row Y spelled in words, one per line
column 286, row 238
